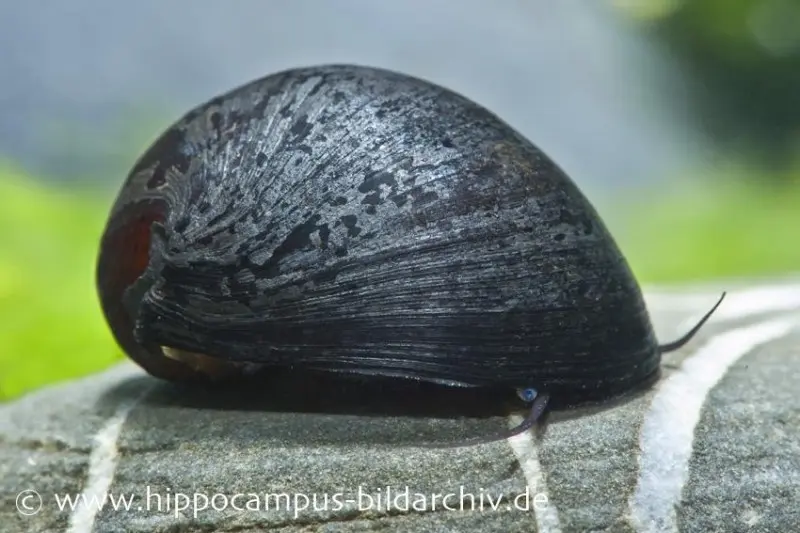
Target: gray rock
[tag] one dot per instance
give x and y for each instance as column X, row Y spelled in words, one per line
column 636, row 465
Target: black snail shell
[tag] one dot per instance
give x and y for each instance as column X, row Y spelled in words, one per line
column 351, row 219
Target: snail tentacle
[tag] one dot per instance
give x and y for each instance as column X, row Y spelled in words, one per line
column 538, row 406
column 676, row 345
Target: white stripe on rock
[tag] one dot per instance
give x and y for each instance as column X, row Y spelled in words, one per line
column 738, row 304
column 667, row 434
column 102, row 464
column 524, row 447
column 750, row 302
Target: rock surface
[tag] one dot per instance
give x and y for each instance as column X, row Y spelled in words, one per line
column 715, row 446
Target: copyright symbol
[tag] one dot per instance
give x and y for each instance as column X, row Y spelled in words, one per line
column 29, row 502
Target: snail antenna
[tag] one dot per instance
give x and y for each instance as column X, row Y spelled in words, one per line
column 537, row 409
column 675, row 345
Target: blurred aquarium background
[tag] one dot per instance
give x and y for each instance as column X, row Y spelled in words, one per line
column 680, row 119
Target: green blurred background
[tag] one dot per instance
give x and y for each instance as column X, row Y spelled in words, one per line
column 733, row 215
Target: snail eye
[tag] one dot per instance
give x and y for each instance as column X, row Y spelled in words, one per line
column 527, row 395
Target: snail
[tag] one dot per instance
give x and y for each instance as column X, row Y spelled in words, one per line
column 350, row 219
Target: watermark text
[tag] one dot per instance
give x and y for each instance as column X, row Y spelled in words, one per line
column 30, row 502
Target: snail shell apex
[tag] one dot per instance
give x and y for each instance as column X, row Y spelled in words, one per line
column 352, row 219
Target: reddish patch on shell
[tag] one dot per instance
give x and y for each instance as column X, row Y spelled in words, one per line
column 137, row 235
column 124, row 257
